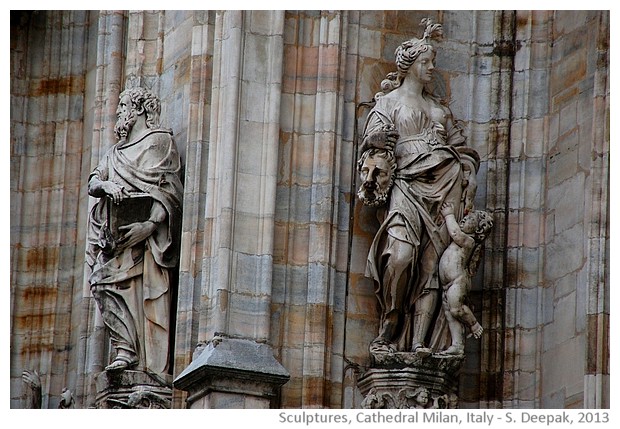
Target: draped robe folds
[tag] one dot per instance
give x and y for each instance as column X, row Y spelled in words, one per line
column 132, row 286
column 428, row 173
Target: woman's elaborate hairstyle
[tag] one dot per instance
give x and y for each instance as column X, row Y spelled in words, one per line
column 407, row 52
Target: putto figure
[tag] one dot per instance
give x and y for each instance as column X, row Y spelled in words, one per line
column 433, row 167
column 133, row 237
column 457, row 266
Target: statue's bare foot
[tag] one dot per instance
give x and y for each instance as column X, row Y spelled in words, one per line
column 453, row 350
column 121, row 363
column 476, row 330
column 419, row 349
column 380, row 344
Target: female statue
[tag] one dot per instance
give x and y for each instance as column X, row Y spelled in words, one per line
column 429, row 149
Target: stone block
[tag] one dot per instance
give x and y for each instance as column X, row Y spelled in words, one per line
column 299, row 246
column 533, row 185
column 266, row 22
column 458, row 25
column 568, row 71
column 321, row 204
column 538, row 97
column 327, row 112
column 252, row 274
column 457, row 59
column 535, row 144
column 540, row 55
column 295, row 334
column 568, row 118
column 370, row 43
column 565, row 253
column 291, row 24
column 305, row 111
column 461, row 99
column 229, row 372
column 296, row 285
column 566, row 21
column 581, row 310
column 248, row 315
column 568, row 201
column 562, row 329
column 527, row 385
column 309, row 28
column 562, row 366
column 372, row 18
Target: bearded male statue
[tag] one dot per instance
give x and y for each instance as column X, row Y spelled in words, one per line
column 134, row 234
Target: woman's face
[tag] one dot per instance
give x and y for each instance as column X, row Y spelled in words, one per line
column 422, row 68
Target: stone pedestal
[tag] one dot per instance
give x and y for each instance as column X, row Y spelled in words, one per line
column 233, row 373
column 411, row 380
column 133, row 389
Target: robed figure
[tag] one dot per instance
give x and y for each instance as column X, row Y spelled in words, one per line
column 134, row 234
column 411, row 128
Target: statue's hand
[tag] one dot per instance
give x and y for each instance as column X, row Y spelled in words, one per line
column 385, row 139
column 136, row 232
column 391, row 136
column 447, row 208
column 32, row 379
column 114, row 190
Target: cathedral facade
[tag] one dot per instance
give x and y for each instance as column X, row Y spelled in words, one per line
column 266, row 109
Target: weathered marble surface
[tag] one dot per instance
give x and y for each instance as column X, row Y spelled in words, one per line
column 531, row 86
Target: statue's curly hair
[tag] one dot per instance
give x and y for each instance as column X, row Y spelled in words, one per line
column 142, row 98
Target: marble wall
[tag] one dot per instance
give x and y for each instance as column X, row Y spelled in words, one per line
column 264, row 106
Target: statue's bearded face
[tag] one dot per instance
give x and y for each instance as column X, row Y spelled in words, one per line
column 376, row 176
column 126, row 117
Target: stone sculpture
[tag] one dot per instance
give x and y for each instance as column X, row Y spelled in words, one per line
column 457, row 265
column 66, row 399
column 423, row 137
column 32, row 380
column 418, row 172
column 133, row 237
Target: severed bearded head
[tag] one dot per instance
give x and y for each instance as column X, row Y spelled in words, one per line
column 377, row 169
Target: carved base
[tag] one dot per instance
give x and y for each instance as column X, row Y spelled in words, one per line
column 411, row 380
column 233, row 373
column 132, row 389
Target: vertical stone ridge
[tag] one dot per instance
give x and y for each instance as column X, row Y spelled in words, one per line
column 106, row 84
column 525, row 224
column 47, row 150
column 242, row 172
column 597, row 383
column 194, row 201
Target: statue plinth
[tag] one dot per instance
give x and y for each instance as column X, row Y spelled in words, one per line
column 232, row 373
column 411, row 380
column 133, row 389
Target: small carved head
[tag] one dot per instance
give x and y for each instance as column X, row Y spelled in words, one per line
column 377, row 169
column 422, row 397
column 134, row 102
column 478, row 223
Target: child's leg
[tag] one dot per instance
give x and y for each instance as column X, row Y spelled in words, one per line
column 457, row 346
column 455, row 297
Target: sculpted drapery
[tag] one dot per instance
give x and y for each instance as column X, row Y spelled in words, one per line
column 130, row 275
column 433, row 167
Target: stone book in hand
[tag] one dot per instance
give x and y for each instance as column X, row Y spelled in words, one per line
column 134, row 208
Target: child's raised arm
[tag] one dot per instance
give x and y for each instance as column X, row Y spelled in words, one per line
column 458, row 236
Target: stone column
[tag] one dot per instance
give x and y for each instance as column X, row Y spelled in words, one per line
column 239, row 224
